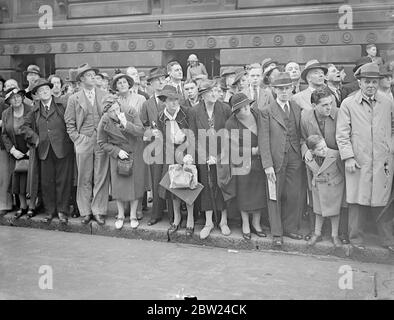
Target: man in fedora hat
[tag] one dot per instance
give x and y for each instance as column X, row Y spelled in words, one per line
column 280, row 149
column 45, row 128
column 32, row 74
column 353, row 86
column 83, row 114
column 149, row 115
column 365, row 137
column 313, row 74
column 262, row 96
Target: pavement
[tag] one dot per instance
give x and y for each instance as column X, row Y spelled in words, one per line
column 158, row 232
column 42, row 264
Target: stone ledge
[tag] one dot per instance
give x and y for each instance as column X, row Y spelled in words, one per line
column 158, row 232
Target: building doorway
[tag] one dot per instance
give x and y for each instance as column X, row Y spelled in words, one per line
column 210, row 58
column 21, row 62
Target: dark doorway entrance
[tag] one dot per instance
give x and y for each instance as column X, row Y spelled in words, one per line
column 210, row 58
column 21, row 62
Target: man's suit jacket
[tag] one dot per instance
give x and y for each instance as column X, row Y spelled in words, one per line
column 272, row 136
column 303, row 99
column 309, row 126
column 150, row 111
column 56, row 137
column 76, row 113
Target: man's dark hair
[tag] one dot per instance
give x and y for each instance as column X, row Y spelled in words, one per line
column 319, row 94
column 190, row 81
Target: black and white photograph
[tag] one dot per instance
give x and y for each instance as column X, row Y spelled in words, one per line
column 196, row 155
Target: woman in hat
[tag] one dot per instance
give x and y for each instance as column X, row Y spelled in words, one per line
column 120, row 135
column 172, row 126
column 16, row 146
column 128, row 100
column 195, row 68
column 207, row 118
column 249, row 177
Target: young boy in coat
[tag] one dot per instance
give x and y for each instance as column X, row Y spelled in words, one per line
column 327, row 183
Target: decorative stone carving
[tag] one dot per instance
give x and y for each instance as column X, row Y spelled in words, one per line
column 278, row 40
column 347, row 37
column 257, row 41
column 80, row 47
column 371, row 37
column 63, row 47
column 132, row 45
column 47, row 47
column 211, row 42
column 170, row 44
column 189, row 43
column 114, row 46
column 97, row 46
column 150, row 45
column 234, row 42
column 16, row 48
column 323, row 38
column 300, row 39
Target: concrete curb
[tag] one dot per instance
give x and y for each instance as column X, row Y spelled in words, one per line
column 158, row 232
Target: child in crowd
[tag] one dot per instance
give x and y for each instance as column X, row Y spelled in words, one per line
column 327, row 184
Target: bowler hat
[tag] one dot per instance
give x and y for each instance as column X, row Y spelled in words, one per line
column 108, row 101
column 361, row 61
column 283, row 79
column 169, row 92
column 368, row 70
column 156, row 72
column 11, row 92
column 84, row 68
column 310, row 65
column 40, row 83
column 206, row 85
column 119, row 76
column 32, row 69
column 266, row 62
column 239, row 100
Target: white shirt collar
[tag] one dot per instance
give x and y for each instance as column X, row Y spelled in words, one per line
column 48, row 103
column 282, row 104
column 92, row 91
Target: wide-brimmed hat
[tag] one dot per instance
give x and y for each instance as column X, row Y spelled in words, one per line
column 118, row 76
column 283, row 79
column 32, row 69
column 267, row 73
column 169, row 92
column 192, row 57
column 206, row 85
column 368, row 70
column 108, row 101
column 227, row 71
column 239, row 100
column 239, row 76
column 156, row 72
column 361, row 61
column 266, row 62
column 10, row 92
column 40, row 83
column 84, row 68
column 310, row 65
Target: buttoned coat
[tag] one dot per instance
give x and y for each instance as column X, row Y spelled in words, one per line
column 366, row 134
column 75, row 115
column 327, row 183
column 272, row 136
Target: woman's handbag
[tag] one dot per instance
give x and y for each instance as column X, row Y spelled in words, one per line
column 21, row 165
column 182, row 177
column 125, row 166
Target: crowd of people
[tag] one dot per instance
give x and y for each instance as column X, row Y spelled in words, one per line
column 296, row 142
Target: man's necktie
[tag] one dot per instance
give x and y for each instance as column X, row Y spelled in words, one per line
column 47, row 108
column 287, row 110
